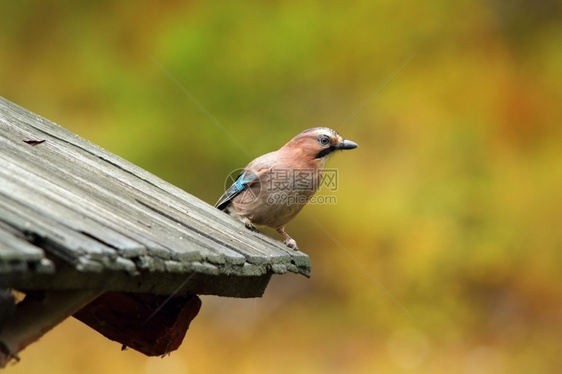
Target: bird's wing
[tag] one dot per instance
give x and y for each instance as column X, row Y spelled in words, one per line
column 239, row 185
column 249, row 175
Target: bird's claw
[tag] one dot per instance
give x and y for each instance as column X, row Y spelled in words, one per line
column 291, row 243
column 250, row 227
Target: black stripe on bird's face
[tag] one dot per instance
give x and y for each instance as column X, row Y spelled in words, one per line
column 325, row 151
column 343, row 144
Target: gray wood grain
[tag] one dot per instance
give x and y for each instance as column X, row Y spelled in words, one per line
column 74, row 216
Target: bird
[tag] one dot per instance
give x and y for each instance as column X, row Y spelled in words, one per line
column 273, row 188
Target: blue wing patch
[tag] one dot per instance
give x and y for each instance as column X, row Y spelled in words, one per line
column 239, row 185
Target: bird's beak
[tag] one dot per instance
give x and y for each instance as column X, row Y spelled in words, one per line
column 347, row 144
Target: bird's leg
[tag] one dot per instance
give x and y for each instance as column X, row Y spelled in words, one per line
column 290, row 242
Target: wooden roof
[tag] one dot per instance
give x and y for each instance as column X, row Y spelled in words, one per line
column 74, row 216
column 86, row 233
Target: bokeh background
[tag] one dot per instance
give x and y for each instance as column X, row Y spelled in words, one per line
column 453, row 202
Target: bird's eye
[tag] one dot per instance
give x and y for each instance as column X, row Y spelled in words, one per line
column 323, row 140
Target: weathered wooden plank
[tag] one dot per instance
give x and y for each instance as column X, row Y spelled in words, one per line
column 59, row 200
column 92, row 217
column 14, row 248
column 110, row 220
column 64, row 243
column 105, row 208
column 262, row 252
column 89, row 199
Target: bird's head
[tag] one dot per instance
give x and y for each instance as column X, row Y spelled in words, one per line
column 319, row 143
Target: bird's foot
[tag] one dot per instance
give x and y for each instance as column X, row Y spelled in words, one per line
column 289, row 242
column 250, row 226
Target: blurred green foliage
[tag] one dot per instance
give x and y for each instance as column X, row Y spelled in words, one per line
column 453, row 201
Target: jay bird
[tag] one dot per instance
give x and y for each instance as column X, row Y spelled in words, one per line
column 274, row 187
